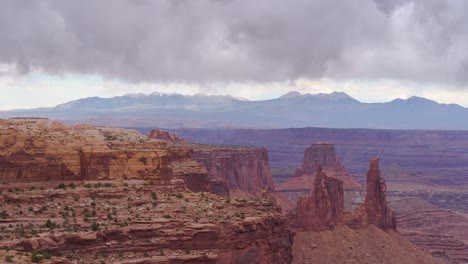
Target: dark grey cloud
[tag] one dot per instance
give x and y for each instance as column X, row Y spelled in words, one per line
column 239, row 40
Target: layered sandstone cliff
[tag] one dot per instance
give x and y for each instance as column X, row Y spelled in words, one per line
column 235, row 169
column 319, row 154
column 110, row 195
column 33, row 150
column 164, row 135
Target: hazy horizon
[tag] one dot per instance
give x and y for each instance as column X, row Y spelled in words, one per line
column 375, row 50
column 228, row 95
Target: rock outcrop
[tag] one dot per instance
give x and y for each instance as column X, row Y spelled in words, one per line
column 377, row 210
column 164, row 135
column 143, row 223
column 239, row 168
column 322, row 209
column 34, row 150
column 319, row 154
column 97, row 194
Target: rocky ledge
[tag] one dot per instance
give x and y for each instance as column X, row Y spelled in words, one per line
column 105, row 195
column 96, row 221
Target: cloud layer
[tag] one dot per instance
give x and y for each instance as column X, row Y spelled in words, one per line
column 200, row 41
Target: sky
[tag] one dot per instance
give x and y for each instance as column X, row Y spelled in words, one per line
column 54, row 51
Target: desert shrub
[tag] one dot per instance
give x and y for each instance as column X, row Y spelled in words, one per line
column 4, row 215
column 8, row 258
column 95, row 226
column 50, row 224
column 37, row 257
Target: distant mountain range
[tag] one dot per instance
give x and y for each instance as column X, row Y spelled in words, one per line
column 335, row 110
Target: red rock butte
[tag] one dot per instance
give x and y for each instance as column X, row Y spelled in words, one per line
column 318, row 154
column 164, row 135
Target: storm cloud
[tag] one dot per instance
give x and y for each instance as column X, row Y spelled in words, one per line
column 198, row 41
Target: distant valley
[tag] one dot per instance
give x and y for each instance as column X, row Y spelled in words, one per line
column 411, row 160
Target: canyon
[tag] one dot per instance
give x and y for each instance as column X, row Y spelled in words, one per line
column 432, row 228
column 83, row 194
column 326, row 233
column 427, row 165
column 411, row 159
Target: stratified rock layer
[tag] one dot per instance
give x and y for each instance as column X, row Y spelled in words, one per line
column 322, row 209
column 377, row 210
column 145, row 210
column 439, row 231
column 239, row 168
column 319, row 154
column 34, row 150
column 140, row 223
column 164, row 135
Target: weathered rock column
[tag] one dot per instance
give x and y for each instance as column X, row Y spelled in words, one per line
column 377, row 210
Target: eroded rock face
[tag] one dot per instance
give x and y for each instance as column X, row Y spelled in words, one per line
column 152, row 206
column 322, row 209
column 129, row 223
column 319, row 154
column 164, row 135
column 377, row 210
column 34, row 150
column 244, row 169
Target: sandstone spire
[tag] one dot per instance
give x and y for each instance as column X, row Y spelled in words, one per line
column 321, row 210
column 377, row 210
